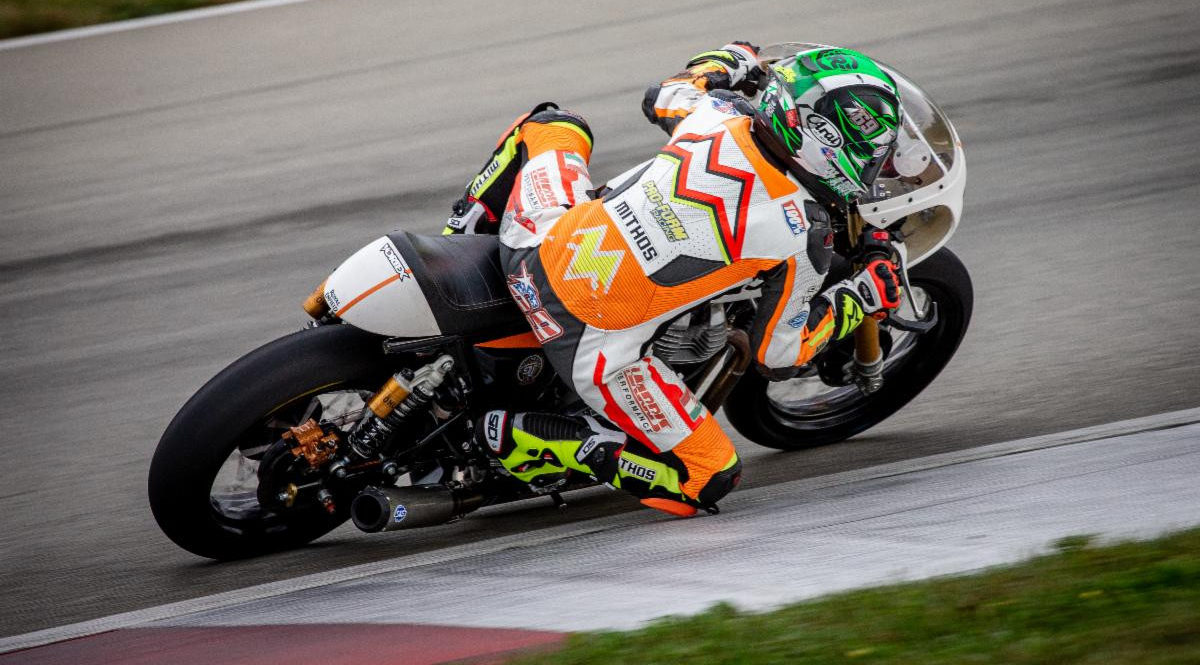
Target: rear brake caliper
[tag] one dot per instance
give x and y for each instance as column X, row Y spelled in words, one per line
column 300, row 452
column 312, row 443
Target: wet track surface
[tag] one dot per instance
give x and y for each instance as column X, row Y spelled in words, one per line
column 169, row 195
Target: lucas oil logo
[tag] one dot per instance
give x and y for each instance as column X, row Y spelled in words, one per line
column 793, row 217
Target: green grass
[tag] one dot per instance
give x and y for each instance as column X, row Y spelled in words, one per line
column 1124, row 603
column 27, row 17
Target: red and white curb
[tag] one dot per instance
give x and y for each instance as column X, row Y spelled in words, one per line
column 935, row 515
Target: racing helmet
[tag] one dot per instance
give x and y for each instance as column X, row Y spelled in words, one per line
column 835, row 113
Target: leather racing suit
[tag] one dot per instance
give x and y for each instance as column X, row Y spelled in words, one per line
column 597, row 279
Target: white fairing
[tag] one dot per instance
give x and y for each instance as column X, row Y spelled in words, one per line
column 929, row 176
column 375, row 290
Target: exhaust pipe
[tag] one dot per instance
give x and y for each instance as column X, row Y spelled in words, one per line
column 392, row 508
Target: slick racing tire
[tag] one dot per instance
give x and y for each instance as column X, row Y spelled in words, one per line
column 235, row 416
column 807, row 412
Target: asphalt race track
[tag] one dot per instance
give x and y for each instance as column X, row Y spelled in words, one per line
column 169, row 195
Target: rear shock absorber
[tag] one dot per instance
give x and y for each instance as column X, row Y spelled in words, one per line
column 405, row 393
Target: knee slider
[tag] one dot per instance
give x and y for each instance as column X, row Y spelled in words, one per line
column 721, row 483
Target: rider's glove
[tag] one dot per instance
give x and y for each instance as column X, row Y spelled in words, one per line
column 877, row 287
column 739, row 61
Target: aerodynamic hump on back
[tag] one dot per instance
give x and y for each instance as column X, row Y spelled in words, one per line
column 407, row 285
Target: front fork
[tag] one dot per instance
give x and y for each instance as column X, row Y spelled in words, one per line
column 867, row 370
column 868, row 357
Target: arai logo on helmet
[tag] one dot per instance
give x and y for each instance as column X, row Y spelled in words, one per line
column 820, row 127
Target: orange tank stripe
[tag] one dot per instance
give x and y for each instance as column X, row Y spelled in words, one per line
column 525, row 340
column 676, row 508
column 773, row 179
column 632, row 298
column 539, row 138
column 704, row 452
column 779, row 307
column 364, row 294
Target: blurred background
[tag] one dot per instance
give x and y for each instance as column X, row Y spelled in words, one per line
column 169, row 195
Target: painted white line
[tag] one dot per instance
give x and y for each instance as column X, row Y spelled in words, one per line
column 548, row 535
column 137, row 23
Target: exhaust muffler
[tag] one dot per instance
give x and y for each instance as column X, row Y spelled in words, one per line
column 392, row 508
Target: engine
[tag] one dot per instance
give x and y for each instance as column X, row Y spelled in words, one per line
column 694, row 337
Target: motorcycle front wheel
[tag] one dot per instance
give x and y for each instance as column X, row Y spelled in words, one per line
column 203, row 477
column 806, row 412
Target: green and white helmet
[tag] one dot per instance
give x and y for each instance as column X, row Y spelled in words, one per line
column 836, row 114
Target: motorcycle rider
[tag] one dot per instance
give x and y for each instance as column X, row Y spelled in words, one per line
column 738, row 193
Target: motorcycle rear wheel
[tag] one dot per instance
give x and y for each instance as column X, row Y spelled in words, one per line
column 761, row 412
column 238, row 411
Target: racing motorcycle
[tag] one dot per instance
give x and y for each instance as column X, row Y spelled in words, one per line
column 368, row 413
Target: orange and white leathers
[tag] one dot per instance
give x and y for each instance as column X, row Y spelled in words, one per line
column 598, row 279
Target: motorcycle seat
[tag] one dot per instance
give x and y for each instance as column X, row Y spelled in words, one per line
column 463, row 281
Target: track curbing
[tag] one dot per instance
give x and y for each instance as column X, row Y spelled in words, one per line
column 551, row 534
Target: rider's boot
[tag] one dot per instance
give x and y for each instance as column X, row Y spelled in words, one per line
column 479, row 209
column 541, row 449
